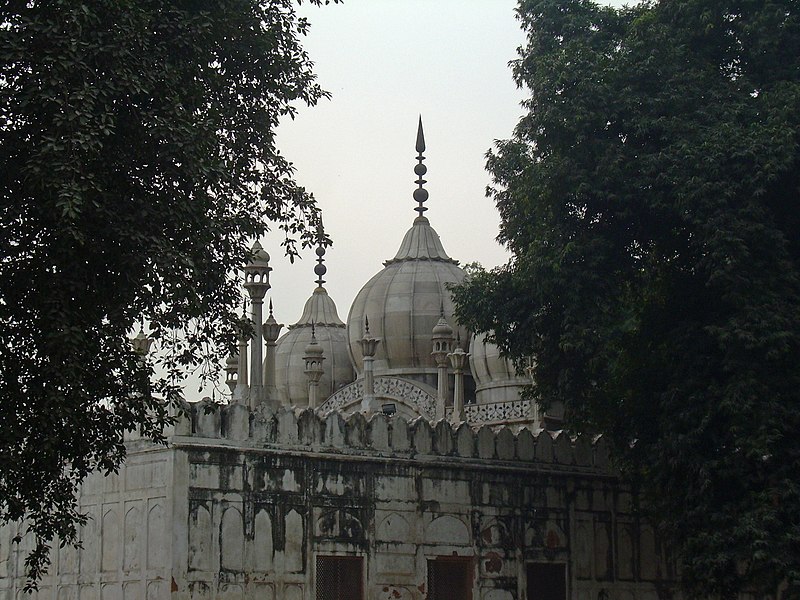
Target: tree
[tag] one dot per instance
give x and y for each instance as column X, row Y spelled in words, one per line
column 138, row 158
column 649, row 198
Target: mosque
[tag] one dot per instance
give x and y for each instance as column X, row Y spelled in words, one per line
column 400, row 351
column 386, row 457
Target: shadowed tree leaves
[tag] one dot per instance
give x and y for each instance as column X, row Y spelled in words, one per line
column 649, row 198
column 137, row 158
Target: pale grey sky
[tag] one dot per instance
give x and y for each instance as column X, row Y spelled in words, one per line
column 386, row 62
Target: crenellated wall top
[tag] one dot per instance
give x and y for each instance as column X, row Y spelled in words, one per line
column 305, row 430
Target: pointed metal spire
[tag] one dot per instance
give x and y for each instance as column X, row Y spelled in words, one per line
column 366, row 326
column 320, row 269
column 420, row 194
column 270, row 309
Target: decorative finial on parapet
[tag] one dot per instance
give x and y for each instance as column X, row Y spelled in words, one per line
column 458, row 360
column 271, row 327
column 368, row 346
column 141, row 343
column 232, row 371
column 420, row 194
column 368, row 343
column 320, row 269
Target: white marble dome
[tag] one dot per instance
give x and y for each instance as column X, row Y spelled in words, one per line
column 403, row 303
column 290, row 378
column 496, row 379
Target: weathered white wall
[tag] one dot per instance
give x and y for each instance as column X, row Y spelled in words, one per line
column 126, row 541
column 241, row 508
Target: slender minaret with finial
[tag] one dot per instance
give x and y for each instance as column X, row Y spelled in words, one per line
column 442, row 340
column 368, row 345
column 256, row 282
column 420, row 194
column 458, row 359
column 313, row 357
column 242, row 389
column 271, row 330
column 320, row 269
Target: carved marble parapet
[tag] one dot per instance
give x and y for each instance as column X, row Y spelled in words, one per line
column 309, row 431
column 499, row 412
column 386, row 388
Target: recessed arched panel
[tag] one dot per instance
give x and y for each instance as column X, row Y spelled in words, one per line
column 110, row 537
column 625, row 553
column 293, row 592
column 648, row 554
column 583, row 566
column 156, row 530
column 393, row 528
column 447, row 530
column 232, row 539
column 200, row 539
column 263, row 541
column 131, row 551
column 294, row 543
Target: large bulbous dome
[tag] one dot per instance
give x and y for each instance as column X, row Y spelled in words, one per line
column 290, row 378
column 403, row 304
column 496, row 378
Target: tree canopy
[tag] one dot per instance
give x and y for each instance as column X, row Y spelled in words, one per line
column 138, row 162
column 649, row 198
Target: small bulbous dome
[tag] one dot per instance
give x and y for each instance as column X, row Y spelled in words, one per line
column 290, row 377
column 496, row 377
column 404, row 302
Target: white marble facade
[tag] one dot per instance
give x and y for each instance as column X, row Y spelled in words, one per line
column 238, row 514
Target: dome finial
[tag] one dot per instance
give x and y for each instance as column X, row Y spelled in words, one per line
column 420, row 194
column 320, row 269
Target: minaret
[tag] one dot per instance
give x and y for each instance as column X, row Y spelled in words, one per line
column 272, row 330
column 368, row 346
column 313, row 358
column 256, row 282
column 458, row 359
column 241, row 393
column 442, row 346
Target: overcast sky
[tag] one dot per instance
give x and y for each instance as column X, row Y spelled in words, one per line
column 386, row 62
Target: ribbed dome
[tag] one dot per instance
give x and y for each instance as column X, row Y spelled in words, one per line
column 403, row 304
column 496, row 378
column 290, row 378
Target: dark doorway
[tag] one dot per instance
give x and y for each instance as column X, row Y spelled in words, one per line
column 339, row 578
column 547, row 581
column 450, row 578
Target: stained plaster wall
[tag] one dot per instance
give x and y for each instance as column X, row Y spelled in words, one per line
column 126, row 542
column 242, row 503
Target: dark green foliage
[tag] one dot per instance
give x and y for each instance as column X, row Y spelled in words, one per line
column 137, row 160
column 649, row 198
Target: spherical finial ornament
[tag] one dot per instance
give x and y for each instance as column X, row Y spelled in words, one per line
column 420, row 194
column 320, row 269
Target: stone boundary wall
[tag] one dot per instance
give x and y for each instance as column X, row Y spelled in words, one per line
column 305, row 430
